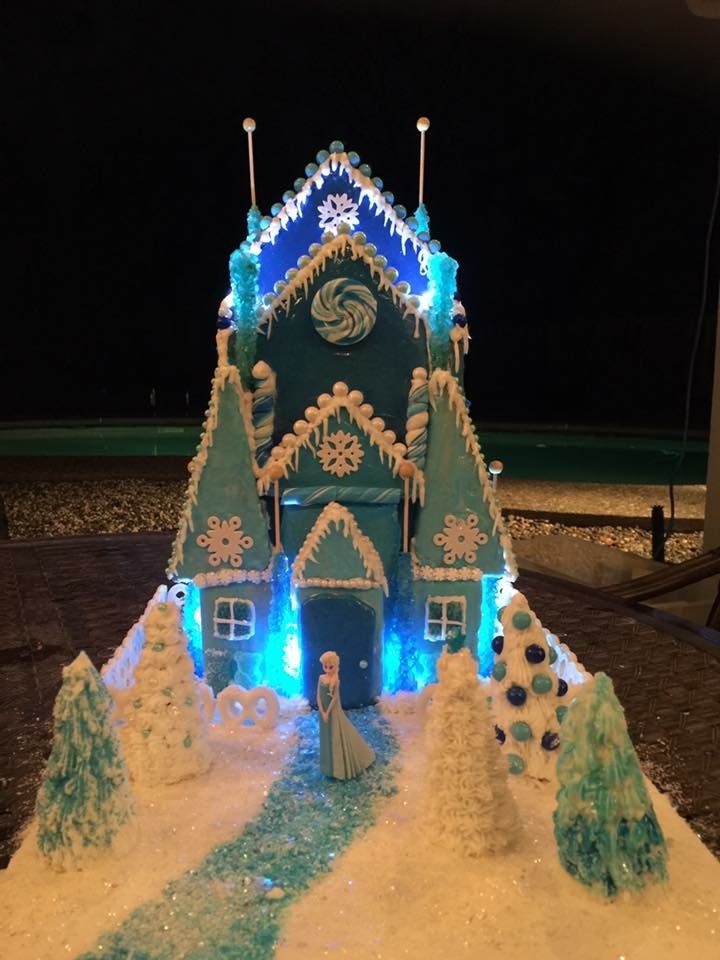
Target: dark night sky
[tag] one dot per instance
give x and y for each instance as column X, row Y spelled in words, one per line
column 571, row 167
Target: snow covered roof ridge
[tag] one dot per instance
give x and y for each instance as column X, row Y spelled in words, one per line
column 225, row 373
column 332, row 248
column 443, row 382
column 340, row 162
column 308, row 433
column 337, row 516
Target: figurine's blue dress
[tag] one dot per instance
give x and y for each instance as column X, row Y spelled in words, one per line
column 343, row 752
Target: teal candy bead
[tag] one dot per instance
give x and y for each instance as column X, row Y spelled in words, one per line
column 189, row 701
column 516, row 764
column 265, row 223
column 412, row 223
column 403, row 287
column 291, row 273
column 337, row 146
column 553, row 654
column 520, row 730
column 521, row 620
column 344, row 228
column 378, row 182
column 299, row 184
column 288, row 195
column 279, row 286
column 400, row 211
column 275, row 209
column 310, row 169
column 365, row 169
column 303, row 261
column 392, row 274
column 268, row 298
column 390, row 197
column 167, row 691
column 370, row 249
column 314, row 249
column 322, row 156
column 560, row 713
column 542, row 683
column 158, row 647
column 359, row 237
column 354, row 158
column 380, row 261
column 424, row 236
column 435, row 246
column 187, row 742
column 499, row 671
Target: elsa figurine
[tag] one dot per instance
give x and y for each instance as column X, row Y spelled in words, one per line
column 343, row 752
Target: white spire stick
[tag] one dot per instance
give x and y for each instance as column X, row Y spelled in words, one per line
column 423, row 125
column 248, row 127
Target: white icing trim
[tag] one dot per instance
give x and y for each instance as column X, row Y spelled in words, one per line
column 426, row 572
column 224, row 373
column 442, row 381
column 341, row 518
column 308, row 433
column 119, row 671
column 221, row 578
column 338, row 246
column 376, row 201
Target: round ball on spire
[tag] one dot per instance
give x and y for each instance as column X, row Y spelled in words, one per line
column 249, row 124
column 423, row 124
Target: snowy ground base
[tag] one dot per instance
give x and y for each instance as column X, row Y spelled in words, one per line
column 45, row 915
column 393, row 894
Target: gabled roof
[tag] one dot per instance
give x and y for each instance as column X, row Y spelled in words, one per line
column 308, row 432
column 340, row 163
column 318, row 563
column 332, row 249
column 476, row 505
column 222, row 501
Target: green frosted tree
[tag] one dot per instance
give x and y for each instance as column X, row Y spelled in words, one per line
column 607, row 834
column 84, row 799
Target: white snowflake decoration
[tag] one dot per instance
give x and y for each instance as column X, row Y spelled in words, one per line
column 460, row 538
column 225, row 541
column 335, row 209
column 340, row 453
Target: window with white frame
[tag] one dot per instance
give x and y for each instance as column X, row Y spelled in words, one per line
column 443, row 615
column 233, row 619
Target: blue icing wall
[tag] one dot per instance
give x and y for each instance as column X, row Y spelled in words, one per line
column 293, row 242
column 380, row 365
column 452, row 487
column 227, row 489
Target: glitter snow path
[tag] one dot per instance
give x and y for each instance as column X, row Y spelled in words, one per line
column 45, row 915
column 394, row 894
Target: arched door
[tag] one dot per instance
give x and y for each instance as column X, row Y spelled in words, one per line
column 347, row 626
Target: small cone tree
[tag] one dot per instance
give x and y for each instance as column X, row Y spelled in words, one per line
column 467, row 805
column 165, row 729
column 527, row 695
column 84, row 799
column 607, row 834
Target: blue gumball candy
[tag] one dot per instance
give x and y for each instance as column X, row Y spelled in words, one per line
column 337, row 146
column 378, row 182
column 516, row 695
column 550, row 740
column 400, row 211
column 322, row 156
column 223, row 323
column 275, row 209
column 498, row 643
column 310, row 169
column 354, row 158
column 534, row 653
column 365, row 169
column 521, row 620
column 499, row 734
column 562, row 688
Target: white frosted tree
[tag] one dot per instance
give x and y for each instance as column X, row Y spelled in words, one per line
column 467, row 804
column 84, row 799
column 527, row 696
column 165, row 732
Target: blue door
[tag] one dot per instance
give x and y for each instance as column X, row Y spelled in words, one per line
column 347, row 626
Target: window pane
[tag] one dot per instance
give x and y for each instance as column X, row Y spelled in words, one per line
column 241, row 610
column 435, row 610
column 434, row 630
column 222, row 609
column 241, row 630
column 455, row 611
column 222, row 629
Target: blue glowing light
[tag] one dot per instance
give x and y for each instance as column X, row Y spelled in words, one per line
column 192, row 625
column 489, row 625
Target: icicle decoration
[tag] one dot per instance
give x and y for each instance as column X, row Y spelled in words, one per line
column 244, row 271
column 417, row 418
column 377, row 203
column 263, row 409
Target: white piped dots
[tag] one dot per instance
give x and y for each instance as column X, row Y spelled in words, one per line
column 249, row 125
column 419, row 373
column 378, row 423
column 311, row 413
column 324, row 400
column 423, row 124
column 261, row 370
column 340, row 389
column 367, row 410
column 300, row 427
column 390, row 436
column 355, row 397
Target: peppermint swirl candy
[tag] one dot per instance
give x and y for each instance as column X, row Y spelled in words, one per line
column 417, row 418
column 343, row 311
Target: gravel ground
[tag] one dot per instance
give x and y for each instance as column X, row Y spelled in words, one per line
column 44, row 510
